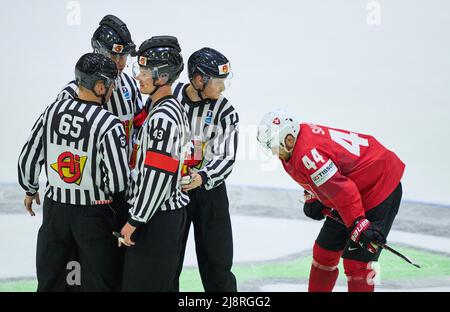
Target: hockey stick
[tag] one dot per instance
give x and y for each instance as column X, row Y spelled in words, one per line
column 328, row 213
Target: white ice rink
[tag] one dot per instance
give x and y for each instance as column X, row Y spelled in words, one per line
column 255, row 239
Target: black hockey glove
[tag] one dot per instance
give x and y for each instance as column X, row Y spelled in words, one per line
column 312, row 207
column 367, row 235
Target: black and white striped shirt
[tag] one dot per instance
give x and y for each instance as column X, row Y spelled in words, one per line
column 84, row 152
column 155, row 182
column 214, row 129
column 125, row 103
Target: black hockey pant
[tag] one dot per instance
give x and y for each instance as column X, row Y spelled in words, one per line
column 208, row 212
column 151, row 264
column 76, row 249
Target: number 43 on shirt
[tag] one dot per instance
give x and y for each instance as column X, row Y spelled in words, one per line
column 350, row 141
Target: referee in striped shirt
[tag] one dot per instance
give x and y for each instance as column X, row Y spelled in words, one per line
column 157, row 216
column 214, row 132
column 84, row 152
column 113, row 39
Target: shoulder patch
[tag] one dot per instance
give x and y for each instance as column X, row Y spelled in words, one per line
column 208, row 118
column 324, row 173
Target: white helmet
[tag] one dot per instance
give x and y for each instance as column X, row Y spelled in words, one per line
column 273, row 129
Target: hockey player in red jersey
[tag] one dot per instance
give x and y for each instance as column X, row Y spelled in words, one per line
column 348, row 174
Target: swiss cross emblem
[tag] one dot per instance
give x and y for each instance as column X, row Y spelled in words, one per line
column 276, row 121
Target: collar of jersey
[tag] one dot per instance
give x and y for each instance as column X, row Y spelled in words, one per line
column 189, row 101
column 88, row 102
column 154, row 105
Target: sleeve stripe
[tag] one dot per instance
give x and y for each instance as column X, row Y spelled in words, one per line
column 162, row 162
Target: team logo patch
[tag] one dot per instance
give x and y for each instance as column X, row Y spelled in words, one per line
column 324, row 173
column 126, row 93
column 276, row 121
column 142, row 60
column 224, row 68
column 117, row 48
column 208, row 118
column 70, row 167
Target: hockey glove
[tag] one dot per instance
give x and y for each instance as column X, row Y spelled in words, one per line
column 312, row 207
column 367, row 235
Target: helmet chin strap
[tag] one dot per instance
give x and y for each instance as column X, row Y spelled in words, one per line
column 199, row 91
column 154, row 91
column 283, row 147
column 156, row 87
column 286, row 150
column 200, row 94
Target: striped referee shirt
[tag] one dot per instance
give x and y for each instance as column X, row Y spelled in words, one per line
column 214, row 131
column 125, row 103
column 155, row 182
column 84, row 152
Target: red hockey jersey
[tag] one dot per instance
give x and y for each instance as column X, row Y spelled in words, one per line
column 347, row 171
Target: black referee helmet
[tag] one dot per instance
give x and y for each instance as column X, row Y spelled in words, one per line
column 94, row 67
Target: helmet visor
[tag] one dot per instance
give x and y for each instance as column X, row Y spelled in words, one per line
column 221, row 83
column 141, row 72
column 122, row 60
column 111, row 82
column 157, row 72
column 116, row 57
column 268, row 139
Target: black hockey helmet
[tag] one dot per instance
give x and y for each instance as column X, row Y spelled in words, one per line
column 162, row 56
column 208, row 62
column 93, row 67
column 113, row 36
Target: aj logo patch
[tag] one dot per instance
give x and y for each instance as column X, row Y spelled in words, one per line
column 70, row 167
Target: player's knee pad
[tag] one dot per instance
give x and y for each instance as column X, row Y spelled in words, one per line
column 360, row 275
column 324, row 271
column 357, row 269
column 325, row 259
